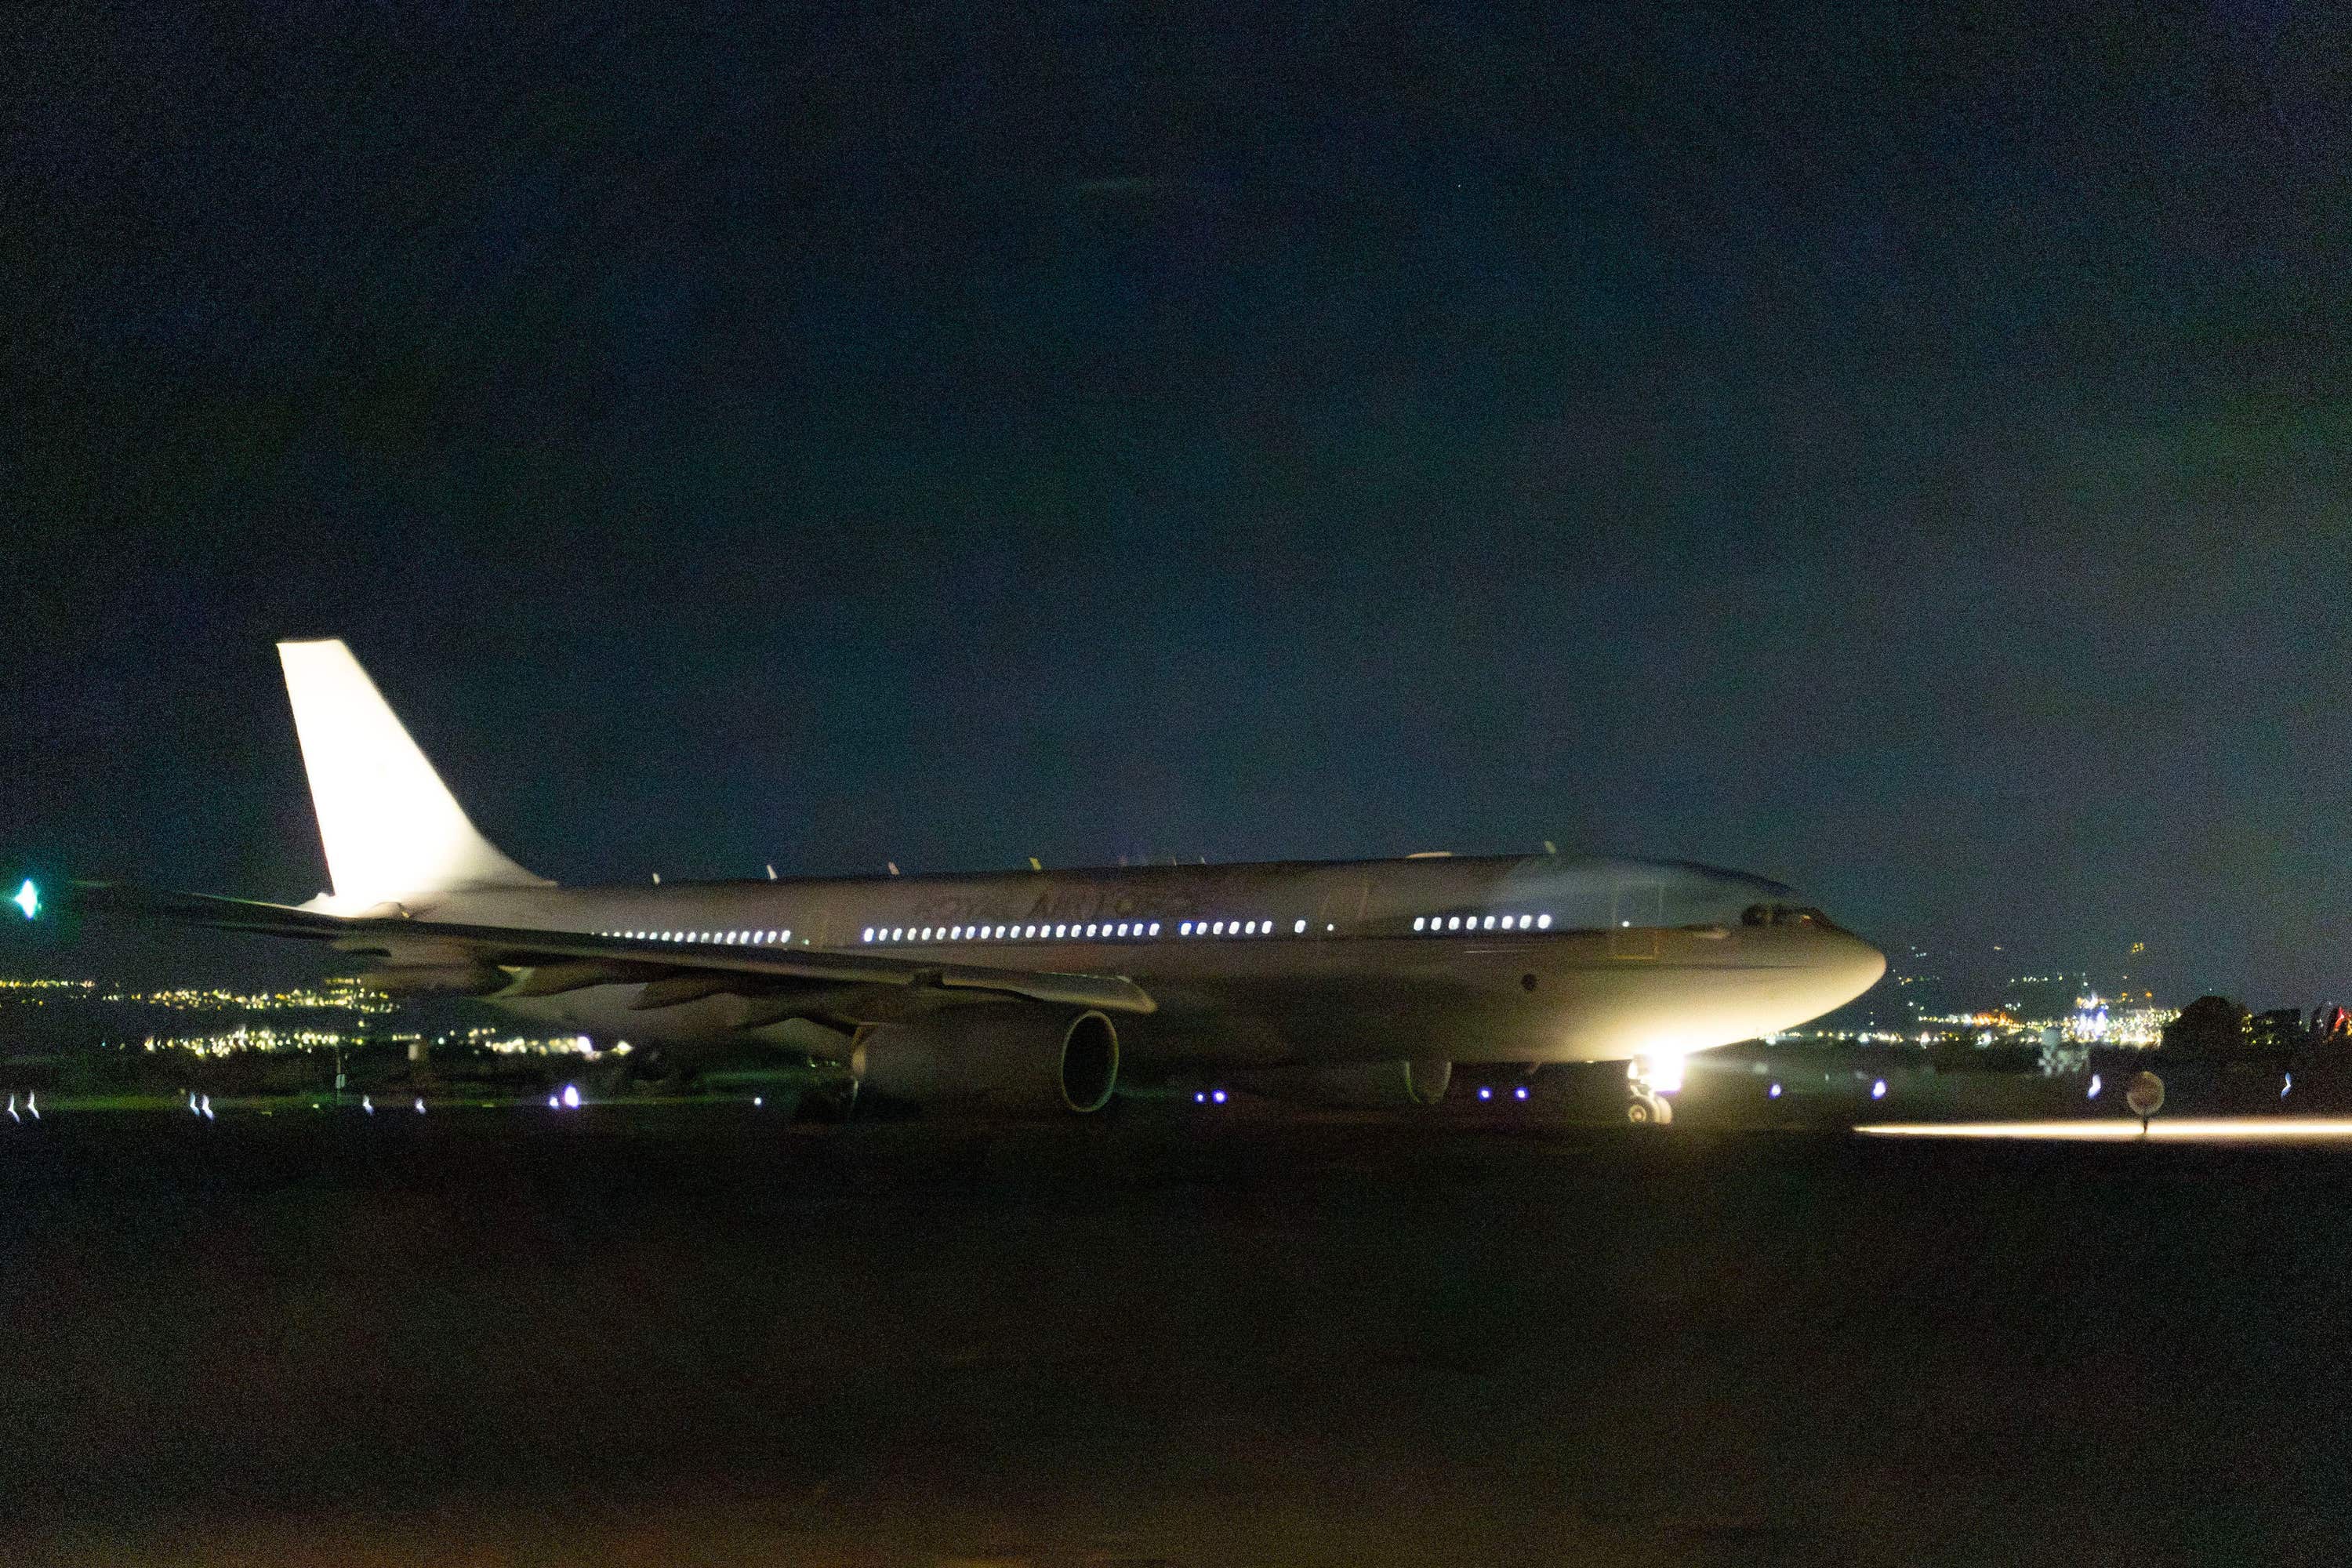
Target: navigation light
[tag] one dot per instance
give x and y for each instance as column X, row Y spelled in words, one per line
column 570, row 1097
column 1878, row 1089
column 28, row 898
column 1773, row 1092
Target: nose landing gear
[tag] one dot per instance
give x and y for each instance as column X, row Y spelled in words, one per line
column 1648, row 1081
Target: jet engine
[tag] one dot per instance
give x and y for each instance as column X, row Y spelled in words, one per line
column 1360, row 1086
column 1011, row 1058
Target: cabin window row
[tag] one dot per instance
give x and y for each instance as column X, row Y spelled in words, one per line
column 1064, row 931
column 717, row 937
column 1099, row 930
column 1433, row 925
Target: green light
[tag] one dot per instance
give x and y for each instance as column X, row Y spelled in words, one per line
column 28, row 898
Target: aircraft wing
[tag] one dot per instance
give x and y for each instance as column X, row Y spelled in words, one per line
column 552, row 961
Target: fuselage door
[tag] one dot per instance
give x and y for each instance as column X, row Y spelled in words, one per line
column 1342, row 909
column 1635, row 913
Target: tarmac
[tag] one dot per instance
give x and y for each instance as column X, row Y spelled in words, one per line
column 697, row 1333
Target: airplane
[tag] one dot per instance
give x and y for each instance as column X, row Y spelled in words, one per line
column 1341, row 983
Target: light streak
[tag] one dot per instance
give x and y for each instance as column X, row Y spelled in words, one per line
column 2178, row 1129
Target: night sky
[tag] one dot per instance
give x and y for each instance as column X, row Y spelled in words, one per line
column 1905, row 456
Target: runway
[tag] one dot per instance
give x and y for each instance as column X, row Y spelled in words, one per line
column 648, row 1336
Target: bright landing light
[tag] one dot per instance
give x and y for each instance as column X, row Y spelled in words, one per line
column 2179, row 1130
column 28, row 898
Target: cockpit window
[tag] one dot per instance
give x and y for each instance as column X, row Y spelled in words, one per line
column 1783, row 915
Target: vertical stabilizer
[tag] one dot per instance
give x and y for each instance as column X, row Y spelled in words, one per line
column 391, row 826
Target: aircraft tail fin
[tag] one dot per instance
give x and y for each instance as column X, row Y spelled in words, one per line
column 389, row 824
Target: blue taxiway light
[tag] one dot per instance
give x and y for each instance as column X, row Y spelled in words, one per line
column 28, row 898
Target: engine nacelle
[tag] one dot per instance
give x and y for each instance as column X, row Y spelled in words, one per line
column 1360, row 1086
column 1014, row 1057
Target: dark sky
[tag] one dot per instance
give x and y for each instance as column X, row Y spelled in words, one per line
column 1906, row 455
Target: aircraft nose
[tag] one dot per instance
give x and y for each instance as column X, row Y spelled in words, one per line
column 1856, row 966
